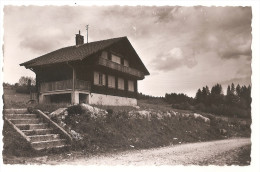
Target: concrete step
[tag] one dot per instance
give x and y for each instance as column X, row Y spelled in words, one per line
column 32, row 126
column 37, row 132
column 25, row 121
column 41, row 135
column 21, row 116
column 49, row 144
column 47, row 137
column 15, row 111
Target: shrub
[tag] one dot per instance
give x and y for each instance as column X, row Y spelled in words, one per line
column 50, row 107
column 76, row 109
column 200, row 107
column 23, row 90
column 110, row 111
column 183, row 106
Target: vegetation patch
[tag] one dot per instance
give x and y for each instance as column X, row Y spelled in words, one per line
column 99, row 130
column 236, row 102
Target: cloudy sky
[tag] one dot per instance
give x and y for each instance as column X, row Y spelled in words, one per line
column 184, row 48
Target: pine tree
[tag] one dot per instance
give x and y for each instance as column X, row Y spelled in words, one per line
column 233, row 91
column 217, row 89
column 228, row 90
column 238, row 90
column 198, row 96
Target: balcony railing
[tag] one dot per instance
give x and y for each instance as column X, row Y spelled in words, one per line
column 65, row 85
column 119, row 67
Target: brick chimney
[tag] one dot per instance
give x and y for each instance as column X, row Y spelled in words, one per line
column 79, row 39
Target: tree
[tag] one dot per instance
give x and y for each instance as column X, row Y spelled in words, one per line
column 217, row 89
column 216, row 96
column 228, row 90
column 238, row 90
column 233, row 90
column 205, row 95
column 245, row 94
column 205, row 91
column 24, row 80
column 198, row 96
column 232, row 98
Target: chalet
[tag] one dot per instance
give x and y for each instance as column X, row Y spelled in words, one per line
column 102, row 72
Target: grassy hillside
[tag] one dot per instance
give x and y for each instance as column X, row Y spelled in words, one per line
column 153, row 123
column 15, row 100
column 149, row 125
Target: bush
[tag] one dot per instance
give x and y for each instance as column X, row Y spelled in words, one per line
column 76, row 109
column 50, row 107
column 226, row 110
column 23, row 90
column 200, row 107
column 183, row 106
column 110, row 111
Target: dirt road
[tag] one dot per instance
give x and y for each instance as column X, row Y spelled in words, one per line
column 215, row 152
column 221, row 152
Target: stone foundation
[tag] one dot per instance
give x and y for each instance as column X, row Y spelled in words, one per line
column 93, row 98
column 101, row 99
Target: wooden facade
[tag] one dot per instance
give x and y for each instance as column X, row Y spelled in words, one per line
column 110, row 71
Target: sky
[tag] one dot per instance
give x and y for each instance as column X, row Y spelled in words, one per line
column 184, row 48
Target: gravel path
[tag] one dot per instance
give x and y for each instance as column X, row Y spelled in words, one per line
column 205, row 153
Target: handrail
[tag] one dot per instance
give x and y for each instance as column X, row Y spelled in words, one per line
column 55, row 125
column 64, row 85
column 120, row 67
column 86, row 84
column 18, row 130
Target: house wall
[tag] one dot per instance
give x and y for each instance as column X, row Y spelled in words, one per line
column 115, row 90
column 101, row 99
column 85, row 70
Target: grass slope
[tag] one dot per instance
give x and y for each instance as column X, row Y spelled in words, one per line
column 15, row 100
column 118, row 131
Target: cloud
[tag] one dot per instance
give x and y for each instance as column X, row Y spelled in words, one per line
column 215, row 42
column 166, row 14
column 238, row 80
column 43, row 42
column 173, row 59
column 236, row 47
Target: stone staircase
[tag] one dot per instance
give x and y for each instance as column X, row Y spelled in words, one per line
column 37, row 129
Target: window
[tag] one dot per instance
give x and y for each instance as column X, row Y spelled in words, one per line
column 116, row 59
column 130, row 85
column 126, row 63
column 104, row 55
column 111, row 81
column 99, row 78
column 121, row 84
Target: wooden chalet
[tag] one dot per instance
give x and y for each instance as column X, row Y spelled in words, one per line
column 102, row 72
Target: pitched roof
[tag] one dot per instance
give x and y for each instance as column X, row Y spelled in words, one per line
column 71, row 53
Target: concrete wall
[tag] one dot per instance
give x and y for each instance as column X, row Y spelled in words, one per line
column 101, row 99
column 44, row 99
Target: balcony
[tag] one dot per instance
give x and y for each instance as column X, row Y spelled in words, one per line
column 65, row 85
column 121, row 68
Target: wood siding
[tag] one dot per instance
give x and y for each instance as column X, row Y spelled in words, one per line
column 59, row 77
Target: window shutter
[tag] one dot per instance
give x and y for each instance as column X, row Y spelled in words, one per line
column 130, row 85
column 126, row 63
column 109, row 56
column 96, row 78
column 111, row 81
column 116, row 59
column 121, row 84
column 104, row 55
column 104, row 79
